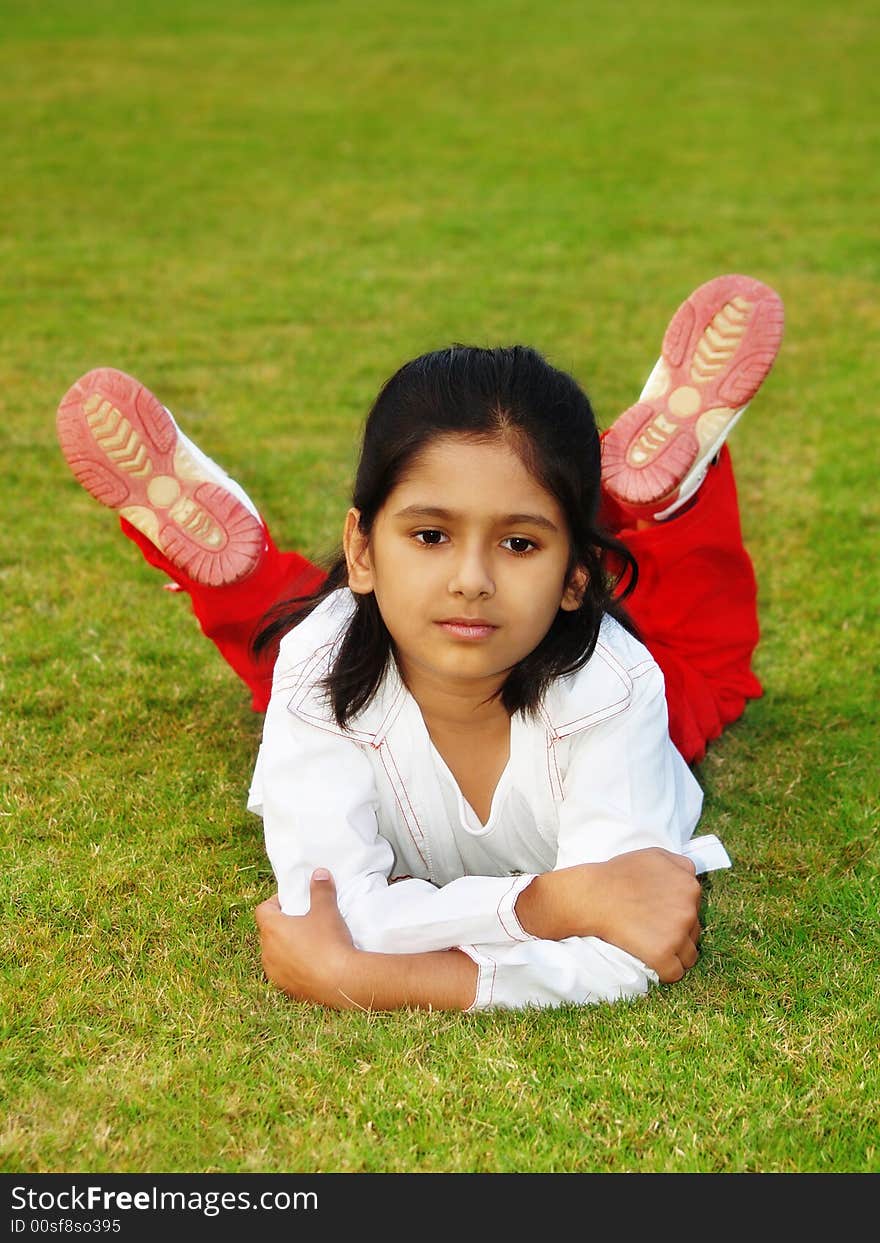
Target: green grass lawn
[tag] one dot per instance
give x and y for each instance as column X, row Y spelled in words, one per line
column 261, row 210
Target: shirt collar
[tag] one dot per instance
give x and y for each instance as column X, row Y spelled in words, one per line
column 601, row 689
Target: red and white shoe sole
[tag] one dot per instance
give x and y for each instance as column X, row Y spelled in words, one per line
column 126, row 450
column 718, row 348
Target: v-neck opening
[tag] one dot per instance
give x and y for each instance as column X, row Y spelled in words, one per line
column 464, row 805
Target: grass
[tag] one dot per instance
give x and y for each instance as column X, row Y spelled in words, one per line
column 261, row 211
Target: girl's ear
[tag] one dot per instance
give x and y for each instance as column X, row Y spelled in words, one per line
column 574, row 589
column 357, row 555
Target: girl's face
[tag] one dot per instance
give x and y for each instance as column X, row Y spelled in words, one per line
column 467, row 559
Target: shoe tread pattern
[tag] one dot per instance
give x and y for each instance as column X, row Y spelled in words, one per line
column 717, row 350
column 122, row 445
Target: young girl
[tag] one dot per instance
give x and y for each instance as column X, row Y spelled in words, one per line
column 474, row 773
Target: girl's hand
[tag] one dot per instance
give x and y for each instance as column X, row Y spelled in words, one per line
column 312, row 958
column 646, row 902
column 649, row 906
column 308, row 956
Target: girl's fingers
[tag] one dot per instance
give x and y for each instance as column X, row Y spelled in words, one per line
column 322, row 894
column 688, row 955
column 672, row 971
column 689, row 952
column 267, row 909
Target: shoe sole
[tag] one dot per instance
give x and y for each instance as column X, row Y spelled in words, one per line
column 718, row 348
column 125, row 449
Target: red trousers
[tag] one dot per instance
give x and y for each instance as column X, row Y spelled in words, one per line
column 694, row 606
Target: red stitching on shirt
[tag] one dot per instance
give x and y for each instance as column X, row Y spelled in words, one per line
column 320, row 722
column 406, row 792
column 482, row 961
column 518, row 926
column 296, row 704
column 619, row 705
column 394, row 703
column 593, row 718
column 611, row 659
column 555, row 785
column 492, row 981
column 556, row 765
column 382, row 753
column 306, row 669
column 424, row 835
column 546, row 719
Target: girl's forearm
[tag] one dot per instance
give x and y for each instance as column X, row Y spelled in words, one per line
column 646, row 902
column 439, row 980
column 312, row 958
column 556, row 905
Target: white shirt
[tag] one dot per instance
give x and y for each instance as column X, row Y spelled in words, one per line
column 593, row 776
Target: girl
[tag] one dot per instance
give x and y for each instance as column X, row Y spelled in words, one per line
column 474, row 775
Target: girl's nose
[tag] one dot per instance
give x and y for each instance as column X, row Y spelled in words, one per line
column 471, row 577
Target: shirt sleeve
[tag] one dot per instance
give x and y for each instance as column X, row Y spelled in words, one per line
column 576, row 971
column 316, row 793
column 625, row 787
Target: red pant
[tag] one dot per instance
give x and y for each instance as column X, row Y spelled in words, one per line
column 694, row 607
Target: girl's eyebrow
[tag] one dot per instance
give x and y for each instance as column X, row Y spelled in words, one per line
column 449, row 515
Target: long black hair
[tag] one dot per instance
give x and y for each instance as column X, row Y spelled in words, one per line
column 547, row 417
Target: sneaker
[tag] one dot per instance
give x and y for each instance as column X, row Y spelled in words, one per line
column 718, row 348
column 126, row 450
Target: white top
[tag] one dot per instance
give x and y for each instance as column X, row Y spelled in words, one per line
column 593, row 776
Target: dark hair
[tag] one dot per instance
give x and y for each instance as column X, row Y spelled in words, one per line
column 481, row 393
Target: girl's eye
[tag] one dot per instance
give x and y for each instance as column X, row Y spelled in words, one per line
column 519, row 544
column 429, row 537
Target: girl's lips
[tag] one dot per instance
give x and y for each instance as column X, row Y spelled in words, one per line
column 460, row 628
